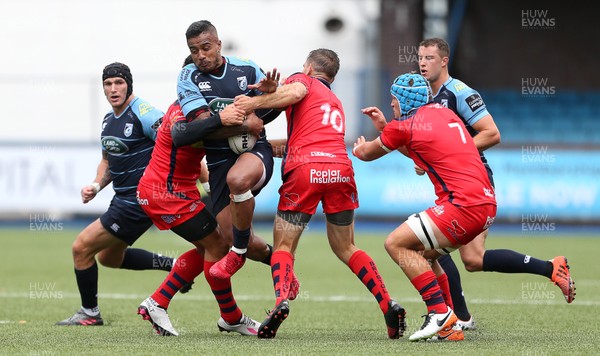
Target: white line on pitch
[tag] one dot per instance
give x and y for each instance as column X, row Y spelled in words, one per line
column 323, row 299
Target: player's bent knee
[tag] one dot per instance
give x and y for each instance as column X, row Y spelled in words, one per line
column 473, row 265
column 389, row 244
column 110, row 259
column 423, row 229
column 237, row 182
column 80, row 247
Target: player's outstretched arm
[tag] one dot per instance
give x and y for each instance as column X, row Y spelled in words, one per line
column 369, row 150
column 252, row 124
column 187, row 133
column 269, row 83
column 285, row 96
column 376, row 116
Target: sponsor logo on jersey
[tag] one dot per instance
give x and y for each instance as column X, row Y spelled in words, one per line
column 291, row 199
column 242, row 83
column 444, row 102
column 218, row 104
column 322, row 154
column 488, row 192
column 169, row 219
column 128, row 130
column 456, row 230
column 115, row 227
column 459, row 86
column 104, row 125
column 438, row 210
column 185, row 74
column 327, row 176
column 474, row 101
column 185, row 94
column 145, row 108
column 141, row 201
column 204, row 86
column 488, row 222
column 156, row 124
column 114, row 145
column 194, row 205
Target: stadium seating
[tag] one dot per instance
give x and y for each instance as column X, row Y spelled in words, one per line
column 565, row 118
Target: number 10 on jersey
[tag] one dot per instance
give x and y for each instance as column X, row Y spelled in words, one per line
column 332, row 117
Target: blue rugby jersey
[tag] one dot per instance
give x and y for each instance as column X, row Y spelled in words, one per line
column 203, row 90
column 465, row 102
column 129, row 139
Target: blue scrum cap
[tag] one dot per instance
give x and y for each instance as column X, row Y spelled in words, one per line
column 412, row 91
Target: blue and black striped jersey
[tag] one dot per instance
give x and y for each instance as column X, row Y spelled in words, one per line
column 197, row 90
column 464, row 101
column 128, row 139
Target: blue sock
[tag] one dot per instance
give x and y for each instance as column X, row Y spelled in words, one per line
column 241, row 238
column 508, row 261
column 456, row 291
column 87, row 282
column 138, row 260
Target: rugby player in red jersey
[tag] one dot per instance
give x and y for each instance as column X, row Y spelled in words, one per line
column 169, row 195
column 316, row 168
column 434, row 138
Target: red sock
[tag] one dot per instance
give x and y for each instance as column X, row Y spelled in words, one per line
column 430, row 291
column 445, row 287
column 221, row 289
column 187, row 267
column 365, row 269
column 282, row 266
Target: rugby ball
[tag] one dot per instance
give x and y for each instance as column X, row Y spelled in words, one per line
column 242, row 142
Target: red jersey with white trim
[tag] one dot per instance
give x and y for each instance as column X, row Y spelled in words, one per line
column 172, row 169
column 316, row 126
column 438, row 141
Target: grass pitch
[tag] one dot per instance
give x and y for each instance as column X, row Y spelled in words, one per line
column 334, row 314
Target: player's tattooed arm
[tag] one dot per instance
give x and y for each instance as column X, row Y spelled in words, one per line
column 103, row 177
column 104, row 171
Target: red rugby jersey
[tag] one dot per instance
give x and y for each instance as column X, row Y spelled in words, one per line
column 316, row 126
column 173, row 169
column 438, row 141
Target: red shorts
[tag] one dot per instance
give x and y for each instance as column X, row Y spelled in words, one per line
column 462, row 224
column 167, row 210
column 305, row 186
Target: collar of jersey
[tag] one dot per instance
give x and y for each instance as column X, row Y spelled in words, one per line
column 224, row 66
column 445, row 85
column 128, row 106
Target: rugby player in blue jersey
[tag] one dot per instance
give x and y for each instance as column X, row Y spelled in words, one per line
column 204, row 88
column 466, row 102
column 128, row 134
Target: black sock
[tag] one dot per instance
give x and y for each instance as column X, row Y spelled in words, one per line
column 267, row 259
column 87, row 282
column 508, row 261
column 138, row 260
column 456, row 292
column 241, row 238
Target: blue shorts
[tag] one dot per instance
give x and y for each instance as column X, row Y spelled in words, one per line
column 219, row 191
column 125, row 220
